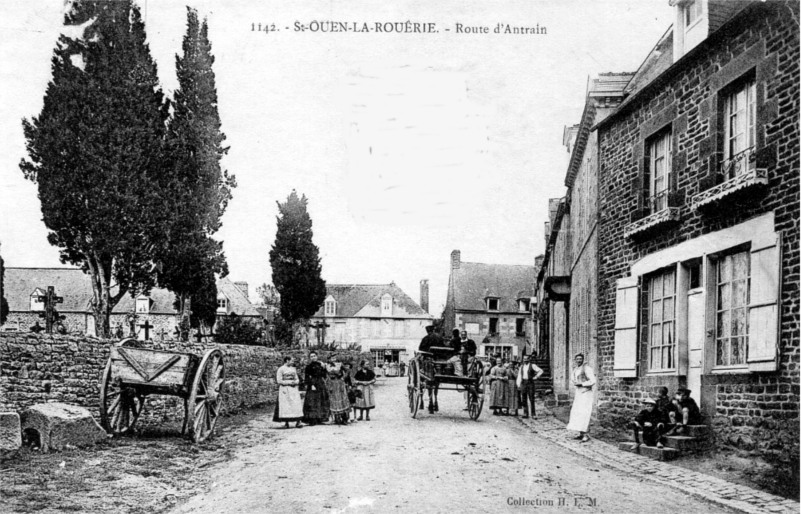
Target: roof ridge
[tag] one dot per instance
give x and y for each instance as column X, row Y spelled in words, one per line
column 45, row 267
column 497, row 264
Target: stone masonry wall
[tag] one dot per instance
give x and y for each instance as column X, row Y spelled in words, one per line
column 757, row 412
column 44, row 368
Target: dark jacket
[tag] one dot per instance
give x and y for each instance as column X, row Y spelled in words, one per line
column 468, row 346
column 694, row 417
column 665, row 406
column 428, row 341
column 645, row 416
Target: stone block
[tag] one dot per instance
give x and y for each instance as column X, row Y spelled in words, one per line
column 685, row 443
column 10, row 434
column 659, row 453
column 628, row 446
column 57, row 425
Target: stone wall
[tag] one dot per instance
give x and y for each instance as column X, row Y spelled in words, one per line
column 755, row 411
column 44, row 368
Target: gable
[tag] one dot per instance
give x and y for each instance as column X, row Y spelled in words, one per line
column 473, row 282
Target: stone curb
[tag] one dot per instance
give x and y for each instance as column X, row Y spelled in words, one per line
column 715, row 490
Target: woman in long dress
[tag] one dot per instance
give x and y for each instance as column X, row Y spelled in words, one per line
column 288, row 405
column 364, row 380
column 511, row 400
column 498, row 388
column 338, row 392
column 584, row 380
column 316, row 406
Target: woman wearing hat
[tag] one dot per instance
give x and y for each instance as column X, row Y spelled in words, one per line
column 584, row 380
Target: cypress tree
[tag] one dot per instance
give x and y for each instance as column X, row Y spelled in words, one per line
column 295, row 261
column 95, row 152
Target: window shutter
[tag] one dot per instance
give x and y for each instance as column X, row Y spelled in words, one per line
column 763, row 311
column 626, row 328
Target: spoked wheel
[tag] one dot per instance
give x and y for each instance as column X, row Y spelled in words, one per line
column 476, row 403
column 205, row 401
column 120, row 405
column 414, row 391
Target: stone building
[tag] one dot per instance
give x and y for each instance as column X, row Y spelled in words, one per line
column 151, row 316
column 380, row 318
column 492, row 302
column 699, row 225
column 567, row 279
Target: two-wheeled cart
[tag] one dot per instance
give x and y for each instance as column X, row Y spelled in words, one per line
column 430, row 371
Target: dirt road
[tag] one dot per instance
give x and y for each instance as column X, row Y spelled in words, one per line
column 436, row 463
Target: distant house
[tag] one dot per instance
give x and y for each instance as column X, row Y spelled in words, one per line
column 381, row 318
column 492, row 302
column 148, row 316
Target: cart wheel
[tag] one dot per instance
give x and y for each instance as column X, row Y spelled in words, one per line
column 410, row 390
column 414, row 389
column 205, row 399
column 475, row 406
column 120, row 405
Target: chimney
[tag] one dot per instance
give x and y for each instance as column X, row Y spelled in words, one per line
column 424, row 294
column 456, row 259
column 243, row 286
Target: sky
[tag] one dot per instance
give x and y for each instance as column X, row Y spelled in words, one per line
column 407, row 146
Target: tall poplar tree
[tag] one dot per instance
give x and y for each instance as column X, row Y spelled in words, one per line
column 201, row 188
column 95, row 152
column 295, row 261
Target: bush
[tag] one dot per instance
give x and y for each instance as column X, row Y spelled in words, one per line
column 232, row 329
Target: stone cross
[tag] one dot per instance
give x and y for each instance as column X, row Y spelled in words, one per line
column 50, row 314
column 147, row 326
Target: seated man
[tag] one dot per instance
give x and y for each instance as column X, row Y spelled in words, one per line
column 649, row 421
column 431, row 339
column 689, row 413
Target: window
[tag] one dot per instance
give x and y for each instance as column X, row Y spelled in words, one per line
column 659, row 166
column 523, row 304
column 692, row 13
column 330, row 307
column 732, row 292
column 386, row 305
column 661, row 328
column 493, row 326
column 222, row 305
column 143, row 305
column 739, row 109
column 502, row 351
column 520, row 327
column 492, row 304
column 695, row 274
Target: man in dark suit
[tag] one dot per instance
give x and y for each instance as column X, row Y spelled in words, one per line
column 526, row 375
column 467, row 350
column 430, row 339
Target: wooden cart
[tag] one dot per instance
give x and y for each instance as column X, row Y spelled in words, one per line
column 132, row 374
column 429, row 371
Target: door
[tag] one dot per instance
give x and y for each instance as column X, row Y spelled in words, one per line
column 696, row 335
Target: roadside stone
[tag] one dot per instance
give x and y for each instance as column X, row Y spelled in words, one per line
column 57, row 425
column 10, row 434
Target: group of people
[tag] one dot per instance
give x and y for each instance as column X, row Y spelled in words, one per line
column 511, row 385
column 462, row 347
column 664, row 416
column 332, row 390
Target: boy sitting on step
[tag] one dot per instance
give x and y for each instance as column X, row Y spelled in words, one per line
column 689, row 413
column 649, row 421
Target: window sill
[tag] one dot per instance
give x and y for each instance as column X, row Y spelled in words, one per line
column 661, row 372
column 650, row 224
column 744, row 185
column 739, row 370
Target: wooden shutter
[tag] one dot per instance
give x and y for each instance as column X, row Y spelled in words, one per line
column 763, row 309
column 626, row 328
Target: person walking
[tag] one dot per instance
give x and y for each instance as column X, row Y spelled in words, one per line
column 363, row 381
column 528, row 373
column 288, row 405
column 584, row 380
column 316, row 406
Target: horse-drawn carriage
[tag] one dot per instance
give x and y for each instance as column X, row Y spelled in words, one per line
column 429, row 371
column 132, row 374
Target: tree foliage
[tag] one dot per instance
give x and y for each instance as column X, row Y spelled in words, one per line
column 95, row 152
column 233, row 329
column 295, row 262
column 201, row 188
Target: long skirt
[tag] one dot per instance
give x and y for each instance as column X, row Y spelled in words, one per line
column 316, row 406
column 288, row 405
column 367, row 401
column 511, row 401
column 498, row 394
column 582, row 410
column 339, row 396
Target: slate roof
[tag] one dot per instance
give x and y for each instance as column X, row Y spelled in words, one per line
column 352, row 298
column 472, row 282
column 75, row 287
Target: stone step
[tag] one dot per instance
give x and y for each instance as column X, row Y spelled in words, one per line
column 685, row 443
column 649, row 451
column 697, row 431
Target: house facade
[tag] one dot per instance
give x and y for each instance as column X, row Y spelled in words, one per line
column 699, row 224
column 492, row 302
column 151, row 316
column 381, row 318
column 567, row 281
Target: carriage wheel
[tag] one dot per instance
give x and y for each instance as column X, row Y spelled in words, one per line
column 415, row 397
column 120, row 406
column 410, row 389
column 205, row 400
column 475, row 405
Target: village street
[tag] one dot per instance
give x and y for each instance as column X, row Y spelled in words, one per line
column 436, row 463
